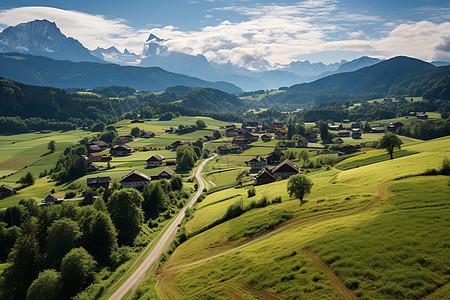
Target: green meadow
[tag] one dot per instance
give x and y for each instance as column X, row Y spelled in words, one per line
column 381, row 236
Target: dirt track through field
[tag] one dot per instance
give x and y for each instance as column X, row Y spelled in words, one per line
column 316, row 260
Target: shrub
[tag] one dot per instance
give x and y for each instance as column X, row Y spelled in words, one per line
column 251, row 192
column 70, row 195
column 276, row 200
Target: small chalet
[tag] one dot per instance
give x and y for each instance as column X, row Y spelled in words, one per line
column 235, row 150
column 256, row 163
column 166, row 174
column 6, row 190
column 264, row 176
column 302, row 143
column 285, row 170
column 155, row 161
column 93, row 167
column 349, row 149
column 394, row 126
column 101, row 144
column 147, row 135
column 209, row 137
column 239, row 141
column 274, row 157
column 337, row 140
column 311, row 137
column 231, row 132
column 51, row 200
column 96, row 156
column 422, row 116
column 335, row 127
column 275, row 125
column 356, row 134
column 343, row 134
column 266, row 137
column 93, row 148
column 121, row 150
column 124, row 139
column 135, row 179
column 175, row 145
column 280, row 134
column 377, row 130
column 222, row 150
column 97, row 182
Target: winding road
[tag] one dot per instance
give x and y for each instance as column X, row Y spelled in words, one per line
column 165, row 240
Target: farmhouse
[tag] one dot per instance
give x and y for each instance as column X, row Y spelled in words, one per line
column 155, row 161
column 97, row 182
column 285, row 170
column 280, row 134
column 235, row 150
column 93, row 167
column 377, row 130
column 266, row 137
column 302, row 143
column 92, row 148
column 356, row 135
column 51, row 200
column 335, row 127
column 274, row 157
column 349, row 149
column 222, row 150
column 135, row 179
column 101, row 144
column 256, row 163
column 166, row 174
column 275, row 125
column 147, row 135
column 99, row 156
column 121, row 150
column 6, row 190
column 264, row 176
column 209, row 137
column 124, row 139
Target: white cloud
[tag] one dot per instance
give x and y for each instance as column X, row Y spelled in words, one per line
column 91, row 30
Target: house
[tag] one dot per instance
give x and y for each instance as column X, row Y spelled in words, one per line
column 93, row 167
column 92, row 148
column 311, row 137
column 101, row 144
column 394, row 126
column 135, row 179
column 175, row 145
column 51, row 200
column 264, row 176
column 155, row 161
column 235, row 150
column 124, row 139
column 302, row 143
column 377, row 130
column 97, row 182
column 147, row 135
column 239, row 141
column 356, row 135
column 209, row 137
column 343, row 134
column 422, row 117
column 337, row 140
column 6, row 190
column 222, row 150
column 266, row 137
column 96, row 156
column 231, row 132
column 281, row 133
column 274, row 157
column 121, row 150
column 349, row 149
column 166, row 174
column 285, row 170
column 275, row 125
column 335, row 127
column 257, row 163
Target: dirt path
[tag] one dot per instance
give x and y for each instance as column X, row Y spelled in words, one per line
column 334, row 280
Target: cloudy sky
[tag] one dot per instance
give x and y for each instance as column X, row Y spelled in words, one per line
column 248, row 32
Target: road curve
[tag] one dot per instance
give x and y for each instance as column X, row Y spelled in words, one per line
column 163, row 242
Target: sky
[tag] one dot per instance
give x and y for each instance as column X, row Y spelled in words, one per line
column 249, row 33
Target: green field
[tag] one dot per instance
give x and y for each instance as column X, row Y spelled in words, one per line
column 380, row 237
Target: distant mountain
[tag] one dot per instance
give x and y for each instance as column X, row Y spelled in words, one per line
column 311, row 70
column 41, row 37
column 376, row 79
column 357, row 64
column 115, row 56
column 440, row 63
column 44, row 71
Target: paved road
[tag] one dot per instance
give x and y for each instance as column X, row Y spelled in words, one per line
column 162, row 244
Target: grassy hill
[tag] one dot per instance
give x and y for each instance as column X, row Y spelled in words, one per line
column 363, row 232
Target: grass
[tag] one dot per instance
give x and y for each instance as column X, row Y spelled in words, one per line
column 406, row 232
column 371, row 157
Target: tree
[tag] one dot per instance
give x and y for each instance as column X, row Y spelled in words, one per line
column 88, row 197
column 155, row 200
column 390, row 141
column 186, row 158
column 48, row 285
column 299, row 186
column 200, row 124
column 27, row 179
column 135, row 131
column 198, row 143
column 62, row 236
column 51, row 146
column 8, row 237
column 217, row 134
column 124, row 207
column 99, row 127
column 108, row 136
column 101, row 238
column 304, row 155
column 176, row 182
column 77, row 270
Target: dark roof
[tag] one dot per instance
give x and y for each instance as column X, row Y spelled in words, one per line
column 168, row 171
column 98, row 180
column 223, row 148
column 93, row 147
column 287, row 163
column 4, row 186
column 277, row 153
column 265, row 173
column 137, row 175
column 303, row 140
column 126, row 147
column 156, row 157
column 93, row 166
column 257, row 158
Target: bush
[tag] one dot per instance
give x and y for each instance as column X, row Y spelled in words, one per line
column 276, row 200
column 251, row 192
column 70, row 195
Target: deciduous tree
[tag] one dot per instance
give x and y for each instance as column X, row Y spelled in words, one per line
column 389, row 142
column 299, row 186
column 48, row 285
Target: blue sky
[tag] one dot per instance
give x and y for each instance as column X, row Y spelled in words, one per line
column 250, row 33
